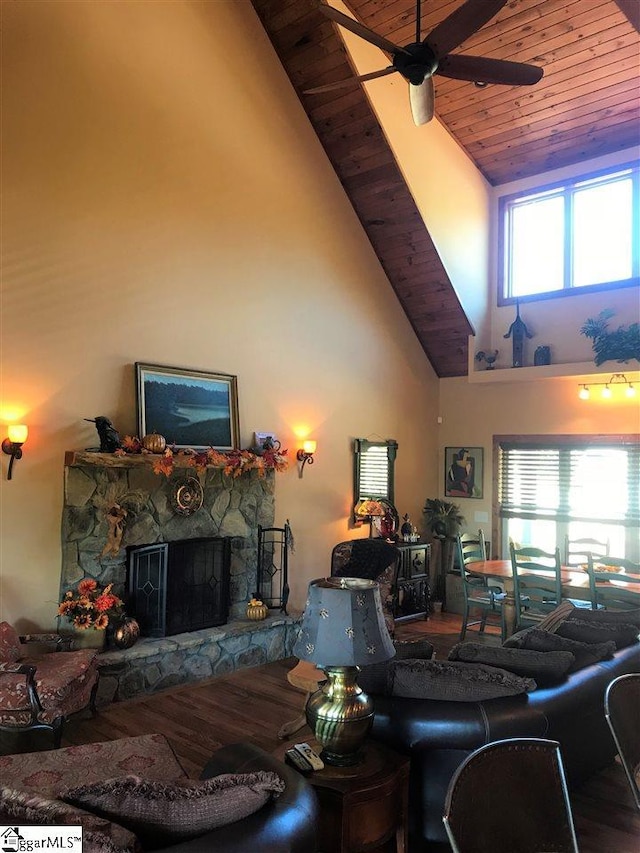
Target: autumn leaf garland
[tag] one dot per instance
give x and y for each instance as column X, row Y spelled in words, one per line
column 234, row 463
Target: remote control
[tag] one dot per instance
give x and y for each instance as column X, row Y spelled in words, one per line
column 295, row 759
column 312, row 757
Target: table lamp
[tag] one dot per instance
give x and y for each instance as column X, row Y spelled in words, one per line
column 342, row 629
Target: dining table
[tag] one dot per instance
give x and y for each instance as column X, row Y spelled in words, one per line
column 575, row 584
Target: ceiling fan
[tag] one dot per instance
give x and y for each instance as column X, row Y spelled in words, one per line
column 419, row 61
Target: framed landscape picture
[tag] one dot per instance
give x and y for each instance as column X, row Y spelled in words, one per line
column 463, row 472
column 190, row 408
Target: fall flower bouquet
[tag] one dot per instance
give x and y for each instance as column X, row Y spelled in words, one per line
column 90, row 606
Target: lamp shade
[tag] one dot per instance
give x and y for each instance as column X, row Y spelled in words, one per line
column 18, row 433
column 343, row 624
column 367, row 508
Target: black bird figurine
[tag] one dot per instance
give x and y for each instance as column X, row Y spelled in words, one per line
column 108, row 434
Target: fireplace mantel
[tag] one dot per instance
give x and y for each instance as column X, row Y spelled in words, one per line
column 88, row 458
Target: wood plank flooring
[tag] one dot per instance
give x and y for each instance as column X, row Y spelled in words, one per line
column 252, row 704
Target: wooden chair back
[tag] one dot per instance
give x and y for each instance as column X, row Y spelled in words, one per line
column 606, row 585
column 576, row 551
column 537, row 583
column 621, row 707
column 510, row 795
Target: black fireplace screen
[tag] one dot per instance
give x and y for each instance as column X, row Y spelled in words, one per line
column 174, row 587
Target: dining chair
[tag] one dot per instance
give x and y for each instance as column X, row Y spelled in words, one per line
column 576, row 550
column 477, row 593
column 525, row 806
column 607, row 585
column 537, row 584
column 621, row 705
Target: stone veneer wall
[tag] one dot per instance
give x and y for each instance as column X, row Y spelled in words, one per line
column 232, row 507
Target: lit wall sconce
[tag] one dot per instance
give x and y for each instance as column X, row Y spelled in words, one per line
column 584, row 390
column 305, row 454
column 13, row 444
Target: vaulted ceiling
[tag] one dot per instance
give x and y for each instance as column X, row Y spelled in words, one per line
column 586, row 105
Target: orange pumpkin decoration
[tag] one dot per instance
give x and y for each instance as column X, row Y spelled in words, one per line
column 154, row 443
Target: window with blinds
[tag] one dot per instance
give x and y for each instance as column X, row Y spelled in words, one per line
column 374, row 467
column 578, row 487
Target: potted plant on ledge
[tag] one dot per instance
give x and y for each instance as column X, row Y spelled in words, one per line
column 443, row 520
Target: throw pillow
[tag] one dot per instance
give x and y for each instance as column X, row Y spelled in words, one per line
column 608, row 617
column 161, row 813
column 31, row 808
column 543, row 641
column 11, row 649
column 544, row 667
column 373, row 678
column 453, row 681
column 621, row 633
column 557, row 616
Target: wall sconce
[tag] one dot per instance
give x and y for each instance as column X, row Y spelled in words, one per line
column 305, row 454
column 584, row 390
column 13, row 444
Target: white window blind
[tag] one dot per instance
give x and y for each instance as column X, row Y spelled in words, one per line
column 374, row 469
column 570, row 482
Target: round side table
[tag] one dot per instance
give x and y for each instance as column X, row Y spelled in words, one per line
column 364, row 806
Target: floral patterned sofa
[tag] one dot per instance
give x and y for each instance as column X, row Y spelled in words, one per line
column 39, row 691
column 132, row 794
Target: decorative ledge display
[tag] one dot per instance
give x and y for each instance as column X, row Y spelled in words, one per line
column 233, row 463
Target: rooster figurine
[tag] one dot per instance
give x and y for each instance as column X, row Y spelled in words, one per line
column 489, row 357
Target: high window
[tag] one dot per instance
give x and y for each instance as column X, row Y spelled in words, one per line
column 564, row 237
column 374, row 469
column 575, row 486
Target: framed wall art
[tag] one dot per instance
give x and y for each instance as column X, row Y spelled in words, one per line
column 190, row 408
column 463, row 472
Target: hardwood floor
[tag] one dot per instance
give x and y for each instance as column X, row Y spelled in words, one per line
column 252, row 704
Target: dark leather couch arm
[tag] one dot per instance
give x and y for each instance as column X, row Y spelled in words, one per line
column 285, row 825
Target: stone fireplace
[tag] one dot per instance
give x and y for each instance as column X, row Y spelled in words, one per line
column 232, row 510
column 95, row 482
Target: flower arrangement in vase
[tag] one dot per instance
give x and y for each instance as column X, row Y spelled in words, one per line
column 91, row 606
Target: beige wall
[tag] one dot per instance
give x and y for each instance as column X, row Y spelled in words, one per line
column 165, row 200
column 451, row 194
column 473, row 414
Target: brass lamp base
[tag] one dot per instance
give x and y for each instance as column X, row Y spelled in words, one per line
column 340, row 715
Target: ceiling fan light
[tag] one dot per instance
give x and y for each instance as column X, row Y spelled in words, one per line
column 480, row 84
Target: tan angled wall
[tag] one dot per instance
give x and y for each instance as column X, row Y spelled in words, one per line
column 164, row 199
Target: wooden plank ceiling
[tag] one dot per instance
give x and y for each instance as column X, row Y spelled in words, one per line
column 587, row 105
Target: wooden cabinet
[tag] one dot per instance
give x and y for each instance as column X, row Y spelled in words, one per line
column 412, row 594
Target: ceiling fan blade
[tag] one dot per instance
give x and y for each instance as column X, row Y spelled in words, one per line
column 481, row 69
column 422, row 100
column 341, row 84
column 462, row 24
column 360, row 30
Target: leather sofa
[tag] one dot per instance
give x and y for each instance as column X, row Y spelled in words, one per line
column 32, row 787
column 439, row 735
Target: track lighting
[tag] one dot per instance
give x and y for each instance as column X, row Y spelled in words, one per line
column 584, row 390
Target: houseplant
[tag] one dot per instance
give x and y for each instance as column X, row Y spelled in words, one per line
column 443, row 520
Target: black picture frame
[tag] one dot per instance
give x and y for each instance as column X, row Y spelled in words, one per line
column 191, row 408
column 464, row 472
